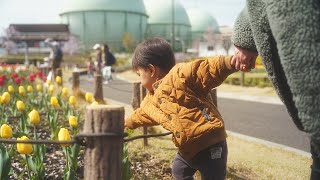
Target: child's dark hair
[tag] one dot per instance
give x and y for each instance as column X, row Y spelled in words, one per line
column 155, row 51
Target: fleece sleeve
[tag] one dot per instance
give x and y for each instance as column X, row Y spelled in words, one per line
column 242, row 33
column 210, row 73
column 139, row 119
column 296, row 29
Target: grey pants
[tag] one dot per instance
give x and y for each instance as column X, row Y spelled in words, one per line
column 210, row 162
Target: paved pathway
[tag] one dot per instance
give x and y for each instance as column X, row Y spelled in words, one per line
column 265, row 121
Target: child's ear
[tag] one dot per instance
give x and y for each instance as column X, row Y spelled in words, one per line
column 152, row 69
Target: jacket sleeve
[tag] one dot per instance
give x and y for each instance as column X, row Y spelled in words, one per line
column 242, row 32
column 139, row 119
column 210, row 73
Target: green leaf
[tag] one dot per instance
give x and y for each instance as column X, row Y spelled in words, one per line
column 32, row 164
column 5, row 163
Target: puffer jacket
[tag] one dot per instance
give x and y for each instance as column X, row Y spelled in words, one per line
column 179, row 103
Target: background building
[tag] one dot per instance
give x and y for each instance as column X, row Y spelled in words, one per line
column 201, row 23
column 105, row 21
column 160, row 22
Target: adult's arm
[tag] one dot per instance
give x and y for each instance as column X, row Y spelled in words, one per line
column 295, row 25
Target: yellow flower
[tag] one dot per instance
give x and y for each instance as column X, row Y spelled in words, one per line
column 95, row 103
column 73, row 122
column 5, row 98
column 54, row 102
column 20, row 106
column 24, row 148
column 22, row 91
column 39, row 87
column 72, row 100
column 10, row 89
column 65, row 92
column 51, row 89
column 89, row 97
column 58, row 80
column 64, row 135
column 48, row 82
column 34, row 117
column 6, row 131
column 29, row 89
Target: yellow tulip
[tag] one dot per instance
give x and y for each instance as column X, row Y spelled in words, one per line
column 58, row 80
column 10, row 89
column 22, row 91
column 20, row 106
column 51, row 89
column 54, row 102
column 89, row 97
column 34, row 117
column 0, row 99
column 48, row 82
column 72, row 100
column 64, row 135
column 65, row 92
column 6, row 131
column 29, row 89
column 24, row 148
column 39, row 87
column 73, row 122
column 95, row 103
column 5, row 98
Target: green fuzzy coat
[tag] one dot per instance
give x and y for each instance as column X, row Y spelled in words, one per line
column 286, row 34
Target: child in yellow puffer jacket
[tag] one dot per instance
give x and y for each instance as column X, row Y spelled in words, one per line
column 177, row 100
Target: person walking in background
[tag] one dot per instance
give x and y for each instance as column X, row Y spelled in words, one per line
column 109, row 60
column 55, row 56
column 286, row 34
column 90, row 68
column 98, row 56
column 177, row 100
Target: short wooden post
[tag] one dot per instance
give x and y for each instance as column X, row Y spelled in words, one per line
column 136, row 96
column 214, row 99
column 242, row 79
column 103, row 155
column 143, row 93
column 98, row 89
column 59, row 73
column 75, row 82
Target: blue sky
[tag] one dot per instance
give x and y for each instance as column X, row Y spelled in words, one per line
column 47, row 11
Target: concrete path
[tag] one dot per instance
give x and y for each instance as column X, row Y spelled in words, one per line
column 259, row 118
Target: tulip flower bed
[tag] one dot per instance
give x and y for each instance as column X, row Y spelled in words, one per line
column 32, row 107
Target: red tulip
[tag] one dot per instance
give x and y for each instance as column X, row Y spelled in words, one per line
column 17, row 80
column 2, row 81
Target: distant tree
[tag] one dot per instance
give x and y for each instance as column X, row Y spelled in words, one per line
column 128, row 42
column 226, row 43
column 73, row 45
column 7, row 44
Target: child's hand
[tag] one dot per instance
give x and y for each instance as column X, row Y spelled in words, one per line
column 243, row 59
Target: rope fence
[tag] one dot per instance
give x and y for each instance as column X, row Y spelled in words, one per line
column 80, row 138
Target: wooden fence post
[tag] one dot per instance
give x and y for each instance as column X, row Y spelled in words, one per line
column 143, row 93
column 103, row 155
column 242, row 79
column 136, row 96
column 98, row 89
column 75, row 82
column 214, row 99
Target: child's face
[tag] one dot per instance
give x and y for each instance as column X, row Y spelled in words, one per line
column 147, row 77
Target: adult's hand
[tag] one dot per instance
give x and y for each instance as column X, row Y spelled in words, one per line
column 243, row 59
